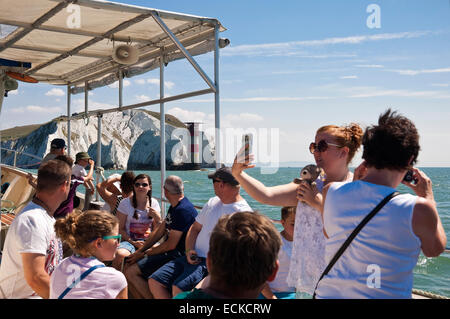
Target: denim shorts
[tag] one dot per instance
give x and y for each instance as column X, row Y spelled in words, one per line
column 128, row 246
column 180, row 273
column 149, row 264
column 280, row 295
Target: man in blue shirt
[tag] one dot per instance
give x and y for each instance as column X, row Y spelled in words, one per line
column 152, row 255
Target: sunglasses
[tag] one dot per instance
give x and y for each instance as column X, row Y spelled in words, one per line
column 140, row 184
column 117, row 237
column 322, row 146
column 216, row 180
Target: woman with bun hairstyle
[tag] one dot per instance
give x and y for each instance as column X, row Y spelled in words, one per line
column 333, row 148
column 93, row 236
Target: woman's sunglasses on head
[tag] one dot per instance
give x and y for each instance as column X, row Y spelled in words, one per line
column 321, row 146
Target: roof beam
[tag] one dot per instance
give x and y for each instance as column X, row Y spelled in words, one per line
column 185, row 52
column 107, row 34
column 105, row 69
column 119, row 7
column 134, row 106
column 56, row 51
column 42, row 19
column 70, row 31
column 147, row 52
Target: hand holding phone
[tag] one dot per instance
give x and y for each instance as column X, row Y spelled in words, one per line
column 247, row 140
column 409, row 177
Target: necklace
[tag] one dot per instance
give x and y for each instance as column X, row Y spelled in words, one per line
column 39, row 202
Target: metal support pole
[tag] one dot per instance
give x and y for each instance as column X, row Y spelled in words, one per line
column 162, row 131
column 216, row 96
column 120, row 87
column 99, row 152
column 183, row 50
column 86, row 95
column 69, row 132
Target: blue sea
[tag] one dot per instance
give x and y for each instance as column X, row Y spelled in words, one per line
column 430, row 274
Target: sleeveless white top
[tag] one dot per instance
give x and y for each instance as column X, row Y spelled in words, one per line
column 308, row 250
column 379, row 261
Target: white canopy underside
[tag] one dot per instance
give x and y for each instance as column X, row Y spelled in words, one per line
column 65, row 50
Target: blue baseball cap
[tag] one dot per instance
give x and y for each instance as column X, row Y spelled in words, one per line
column 58, row 143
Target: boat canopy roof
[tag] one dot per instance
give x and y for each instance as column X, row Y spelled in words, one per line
column 70, row 42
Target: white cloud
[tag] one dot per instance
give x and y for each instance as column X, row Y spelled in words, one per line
column 288, row 48
column 139, row 81
column 443, row 85
column 370, row 66
column 37, row 109
column 191, row 116
column 115, row 85
column 55, row 92
column 250, row 117
column 242, row 120
column 424, row 71
column 142, row 98
column 348, row 77
column 154, row 81
column 366, row 92
column 78, row 105
column 13, row 92
column 259, row 99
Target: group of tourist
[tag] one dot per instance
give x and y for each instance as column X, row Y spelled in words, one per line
column 333, row 230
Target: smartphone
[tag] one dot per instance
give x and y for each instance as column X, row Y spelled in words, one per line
column 247, row 139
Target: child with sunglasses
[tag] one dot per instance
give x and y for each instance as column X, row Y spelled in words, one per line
column 333, row 149
column 138, row 216
column 93, row 236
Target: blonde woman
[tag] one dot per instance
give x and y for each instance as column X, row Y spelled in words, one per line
column 333, row 148
column 94, row 237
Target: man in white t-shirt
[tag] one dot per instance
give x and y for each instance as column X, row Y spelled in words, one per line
column 82, row 159
column 185, row 272
column 32, row 250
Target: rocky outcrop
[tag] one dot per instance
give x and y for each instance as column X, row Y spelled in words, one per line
column 129, row 140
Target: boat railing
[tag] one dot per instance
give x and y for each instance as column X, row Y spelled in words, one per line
column 16, row 152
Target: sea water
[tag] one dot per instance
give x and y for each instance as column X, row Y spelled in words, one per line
column 430, row 274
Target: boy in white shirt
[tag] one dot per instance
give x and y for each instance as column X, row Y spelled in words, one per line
column 279, row 288
column 82, row 159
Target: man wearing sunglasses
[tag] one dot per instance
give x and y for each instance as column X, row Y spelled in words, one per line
column 185, row 272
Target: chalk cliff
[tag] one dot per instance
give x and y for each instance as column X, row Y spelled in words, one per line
column 130, row 140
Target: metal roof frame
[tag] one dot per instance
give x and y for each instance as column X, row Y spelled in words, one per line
column 189, row 36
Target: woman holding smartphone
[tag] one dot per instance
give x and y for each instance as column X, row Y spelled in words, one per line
column 333, row 148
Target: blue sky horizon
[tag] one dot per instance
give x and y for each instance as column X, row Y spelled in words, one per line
column 295, row 66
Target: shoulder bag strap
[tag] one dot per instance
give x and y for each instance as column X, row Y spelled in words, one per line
column 83, row 275
column 353, row 235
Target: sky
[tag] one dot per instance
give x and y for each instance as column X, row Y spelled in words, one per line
column 293, row 66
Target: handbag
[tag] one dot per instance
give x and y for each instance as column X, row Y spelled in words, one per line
column 83, row 275
column 353, row 235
